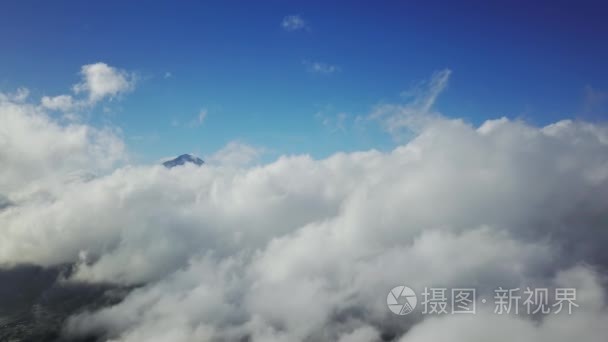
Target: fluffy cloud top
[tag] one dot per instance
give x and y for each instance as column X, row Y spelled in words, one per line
column 236, row 153
column 306, row 250
column 35, row 148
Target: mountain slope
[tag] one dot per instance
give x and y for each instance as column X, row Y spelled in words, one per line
column 183, row 159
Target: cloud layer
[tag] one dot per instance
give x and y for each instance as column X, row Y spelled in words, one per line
column 306, row 250
column 37, row 150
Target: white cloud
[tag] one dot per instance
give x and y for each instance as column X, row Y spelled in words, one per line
column 64, row 103
column 410, row 117
column 588, row 324
column 305, row 249
column 595, row 101
column 197, row 121
column 20, row 95
column 293, row 23
column 202, row 115
column 38, row 148
column 236, row 153
column 101, row 80
column 321, row 68
column 335, row 123
column 458, row 204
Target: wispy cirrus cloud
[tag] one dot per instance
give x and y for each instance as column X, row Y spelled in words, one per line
column 595, row 101
column 202, row 115
column 192, row 122
column 334, row 123
column 417, row 111
column 199, row 119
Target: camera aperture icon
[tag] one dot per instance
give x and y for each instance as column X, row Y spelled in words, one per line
column 401, row 300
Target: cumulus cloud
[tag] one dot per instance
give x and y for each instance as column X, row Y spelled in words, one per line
column 307, row 249
column 293, row 23
column 35, row 148
column 100, row 80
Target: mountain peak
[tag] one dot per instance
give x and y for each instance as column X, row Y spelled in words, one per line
column 183, row 159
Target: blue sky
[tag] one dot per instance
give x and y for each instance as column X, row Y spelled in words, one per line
column 286, row 90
